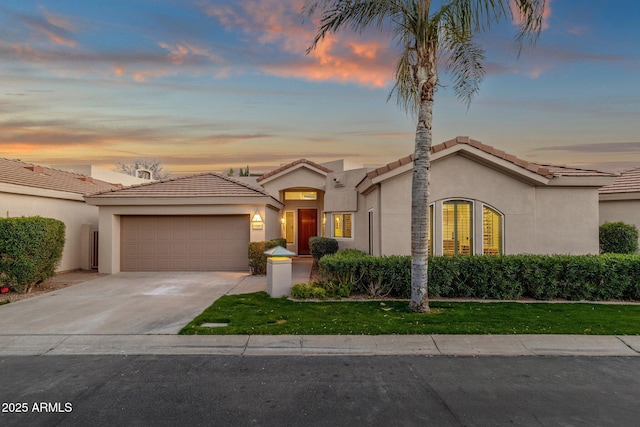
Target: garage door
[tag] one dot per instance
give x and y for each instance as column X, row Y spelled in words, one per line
column 184, row 243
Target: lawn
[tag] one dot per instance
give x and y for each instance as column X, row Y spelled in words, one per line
column 260, row 314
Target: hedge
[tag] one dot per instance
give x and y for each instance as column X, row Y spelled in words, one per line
column 257, row 258
column 30, row 250
column 541, row 277
column 618, row 238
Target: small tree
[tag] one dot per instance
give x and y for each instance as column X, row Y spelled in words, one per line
column 618, row 238
column 150, row 163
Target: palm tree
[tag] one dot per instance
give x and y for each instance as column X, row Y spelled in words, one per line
column 428, row 39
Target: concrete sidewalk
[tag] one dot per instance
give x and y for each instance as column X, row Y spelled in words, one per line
column 322, row 345
column 314, row 345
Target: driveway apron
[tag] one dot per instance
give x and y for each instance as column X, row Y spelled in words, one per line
column 123, row 303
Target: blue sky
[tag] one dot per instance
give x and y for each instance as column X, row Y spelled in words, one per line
column 206, row 85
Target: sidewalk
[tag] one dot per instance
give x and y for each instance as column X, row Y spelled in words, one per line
column 318, row 345
column 322, row 345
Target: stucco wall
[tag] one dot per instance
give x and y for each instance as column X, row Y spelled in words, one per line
column 543, row 220
column 73, row 213
column 298, row 178
column 567, row 220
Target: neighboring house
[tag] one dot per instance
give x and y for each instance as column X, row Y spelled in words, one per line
column 484, row 201
column 620, row 201
column 107, row 175
column 30, row 190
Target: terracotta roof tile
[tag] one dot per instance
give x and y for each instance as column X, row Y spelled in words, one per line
column 627, row 182
column 292, row 164
column 556, row 170
column 36, row 176
column 201, row 185
column 545, row 170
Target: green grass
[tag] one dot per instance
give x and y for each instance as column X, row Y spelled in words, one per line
column 259, row 314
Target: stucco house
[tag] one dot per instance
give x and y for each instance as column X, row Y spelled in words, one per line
column 484, row 201
column 30, row 190
column 620, row 201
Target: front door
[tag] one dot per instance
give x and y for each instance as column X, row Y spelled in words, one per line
column 307, row 228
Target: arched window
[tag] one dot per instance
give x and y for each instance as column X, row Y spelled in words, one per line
column 491, row 231
column 457, row 227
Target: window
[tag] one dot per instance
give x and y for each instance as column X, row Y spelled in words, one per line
column 300, row 195
column 491, row 231
column 371, row 233
column 288, row 226
column 342, row 226
column 457, row 227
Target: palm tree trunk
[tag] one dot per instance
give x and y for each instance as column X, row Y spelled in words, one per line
column 427, row 77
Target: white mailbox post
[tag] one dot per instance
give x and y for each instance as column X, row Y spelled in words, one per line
column 278, row 271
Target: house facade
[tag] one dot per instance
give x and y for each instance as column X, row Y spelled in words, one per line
column 620, row 201
column 33, row 190
column 483, row 201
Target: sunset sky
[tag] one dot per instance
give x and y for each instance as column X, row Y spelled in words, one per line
column 204, row 85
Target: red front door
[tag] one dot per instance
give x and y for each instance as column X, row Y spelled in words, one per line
column 307, row 228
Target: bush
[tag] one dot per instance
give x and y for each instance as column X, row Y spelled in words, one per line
column 321, row 246
column 542, row 277
column 30, row 250
column 257, row 258
column 618, row 238
column 308, row 291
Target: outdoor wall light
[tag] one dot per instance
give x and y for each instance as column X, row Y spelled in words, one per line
column 256, row 221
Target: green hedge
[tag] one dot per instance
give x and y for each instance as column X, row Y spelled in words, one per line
column 257, row 258
column 618, row 238
column 542, row 277
column 321, row 246
column 30, row 250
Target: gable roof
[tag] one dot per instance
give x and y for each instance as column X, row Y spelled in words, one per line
column 34, row 176
column 544, row 171
column 627, row 182
column 465, row 140
column 201, row 185
column 293, row 165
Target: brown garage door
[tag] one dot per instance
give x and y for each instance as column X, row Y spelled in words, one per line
column 184, row 243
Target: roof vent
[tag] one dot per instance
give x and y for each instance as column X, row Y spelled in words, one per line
column 35, row 168
column 86, row 179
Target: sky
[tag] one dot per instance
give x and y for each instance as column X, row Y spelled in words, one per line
column 208, row 85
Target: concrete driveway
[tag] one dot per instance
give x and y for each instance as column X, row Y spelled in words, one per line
column 124, row 303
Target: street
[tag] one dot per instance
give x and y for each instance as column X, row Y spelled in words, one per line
column 315, row 390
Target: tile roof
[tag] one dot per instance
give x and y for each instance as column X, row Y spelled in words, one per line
column 546, row 171
column 201, row 185
column 557, row 170
column 627, row 182
column 35, row 176
column 292, row 164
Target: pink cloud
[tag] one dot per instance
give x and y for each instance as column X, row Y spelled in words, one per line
column 546, row 14
column 347, row 58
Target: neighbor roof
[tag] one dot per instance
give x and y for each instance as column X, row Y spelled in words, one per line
column 294, row 164
column 627, row 182
column 35, row 176
column 201, row 185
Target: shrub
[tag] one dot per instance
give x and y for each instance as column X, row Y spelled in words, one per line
column 618, row 238
column 543, row 277
column 321, row 246
column 30, row 250
column 308, row 291
column 257, row 258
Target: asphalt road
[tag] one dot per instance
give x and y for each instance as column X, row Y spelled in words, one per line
column 323, row 391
